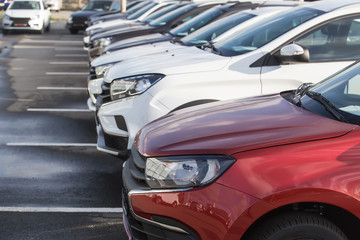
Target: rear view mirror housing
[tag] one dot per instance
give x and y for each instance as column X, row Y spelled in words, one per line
column 293, row 53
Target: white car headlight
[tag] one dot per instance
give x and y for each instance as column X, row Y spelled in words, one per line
column 102, row 42
column 35, row 17
column 100, row 70
column 70, row 19
column 6, row 17
column 125, row 87
column 185, row 171
column 94, row 88
column 86, row 39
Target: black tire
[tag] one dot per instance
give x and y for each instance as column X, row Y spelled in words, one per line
column 73, row 31
column 298, row 226
column 5, row 31
column 42, row 30
column 47, row 29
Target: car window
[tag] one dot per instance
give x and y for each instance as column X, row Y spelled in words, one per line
column 341, row 90
column 337, row 40
column 258, row 35
column 26, row 5
column 97, row 6
column 115, row 6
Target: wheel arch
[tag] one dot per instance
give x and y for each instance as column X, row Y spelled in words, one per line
column 336, row 209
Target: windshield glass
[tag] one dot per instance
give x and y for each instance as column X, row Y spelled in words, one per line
column 162, row 21
column 338, row 94
column 97, row 6
column 26, row 5
column 159, row 13
column 137, row 7
column 141, row 11
column 215, row 29
column 258, row 35
column 197, row 22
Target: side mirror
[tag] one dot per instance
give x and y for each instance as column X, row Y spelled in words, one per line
column 293, row 53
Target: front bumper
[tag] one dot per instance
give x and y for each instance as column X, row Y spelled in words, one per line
column 212, row 212
column 22, row 24
column 124, row 118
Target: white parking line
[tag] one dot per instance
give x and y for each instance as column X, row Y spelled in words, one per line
column 29, row 144
column 57, row 110
column 67, row 73
column 69, row 63
column 71, row 55
column 60, row 210
column 63, row 88
column 67, row 49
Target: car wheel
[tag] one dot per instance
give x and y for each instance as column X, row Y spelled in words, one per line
column 47, row 29
column 42, row 30
column 5, row 31
column 298, row 226
column 73, row 31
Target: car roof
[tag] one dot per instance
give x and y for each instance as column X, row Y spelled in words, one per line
column 331, row 5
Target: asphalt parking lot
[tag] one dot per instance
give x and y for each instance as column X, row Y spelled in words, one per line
column 54, row 182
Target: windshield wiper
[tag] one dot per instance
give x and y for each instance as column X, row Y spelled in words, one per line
column 300, row 92
column 327, row 104
column 212, row 47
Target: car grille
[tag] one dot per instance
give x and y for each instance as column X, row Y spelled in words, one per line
column 115, row 142
column 79, row 19
column 20, row 20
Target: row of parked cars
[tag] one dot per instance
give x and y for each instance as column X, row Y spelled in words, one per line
column 238, row 120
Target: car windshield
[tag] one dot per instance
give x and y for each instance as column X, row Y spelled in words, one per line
column 336, row 97
column 97, row 6
column 197, row 22
column 162, row 21
column 32, row 5
column 258, row 35
column 159, row 13
column 137, row 7
column 141, row 11
column 215, row 29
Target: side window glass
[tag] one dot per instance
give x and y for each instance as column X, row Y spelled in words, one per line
column 353, row 86
column 115, row 7
column 335, row 41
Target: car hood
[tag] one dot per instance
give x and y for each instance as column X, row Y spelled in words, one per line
column 136, row 52
column 123, row 30
column 22, row 13
column 234, row 126
column 137, row 41
column 186, row 60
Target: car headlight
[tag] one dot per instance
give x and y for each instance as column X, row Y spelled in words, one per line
column 86, row 39
column 94, row 88
column 125, row 87
column 6, row 17
column 35, row 17
column 100, row 70
column 185, row 171
column 102, row 42
column 70, row 19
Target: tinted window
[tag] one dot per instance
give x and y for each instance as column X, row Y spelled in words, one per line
column 258, row 35
column 337, row 40
column 215, row 29
column 161, row 21
column 26, row 5
column 197, row 22
column 159, row 13
column 97, row 6
column 141, row 11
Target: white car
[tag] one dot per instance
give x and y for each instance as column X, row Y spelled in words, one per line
column 54, row 5
column 213, row 31
column 306, row 43
column 26, row 15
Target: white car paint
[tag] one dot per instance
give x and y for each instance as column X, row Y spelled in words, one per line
column 204, row 75
column 38, row 19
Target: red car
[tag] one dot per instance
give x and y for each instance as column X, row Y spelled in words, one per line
column 276, row 167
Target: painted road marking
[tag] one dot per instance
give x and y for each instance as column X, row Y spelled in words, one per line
column 70, row 63
column 58, row 110
column 67, row 73
column 28, row 144
column 71, row 55
column 60, row 210
column 63, row 88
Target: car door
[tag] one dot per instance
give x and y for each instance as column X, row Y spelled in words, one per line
column 331, row 46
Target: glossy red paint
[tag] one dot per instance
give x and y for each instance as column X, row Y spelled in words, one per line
column 235, row 126
column 211, row 211
column 285, row 155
